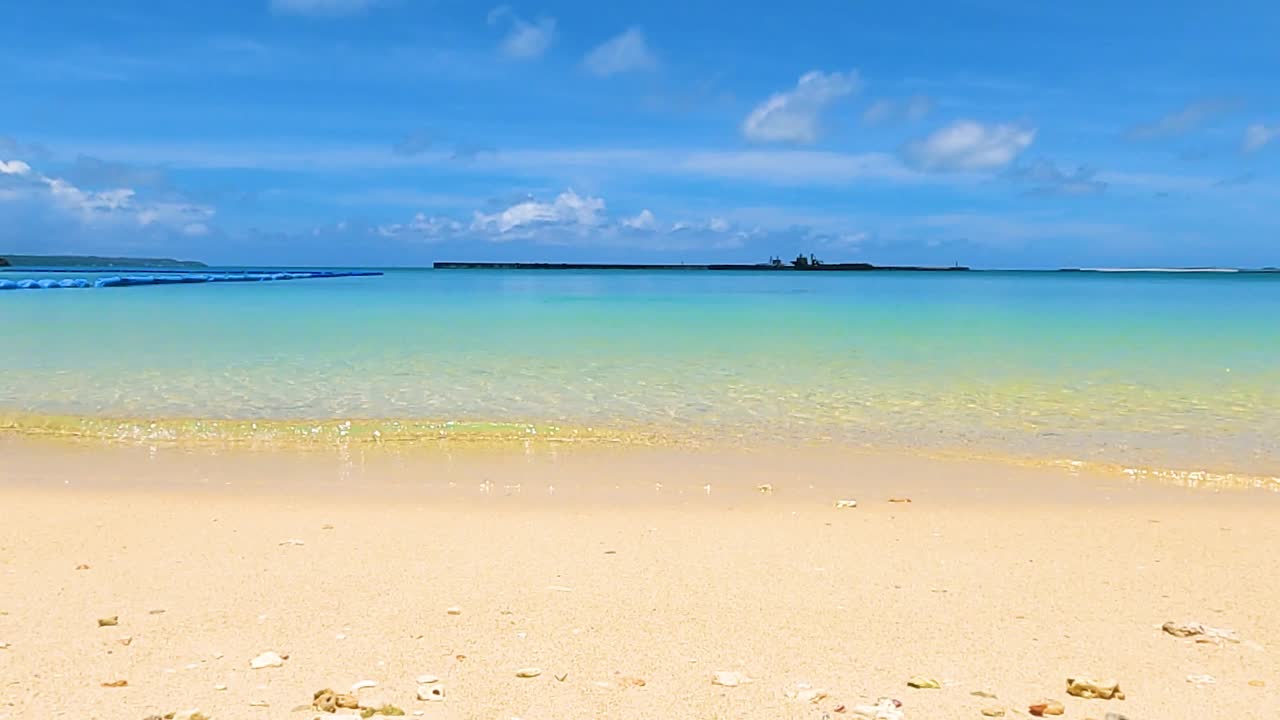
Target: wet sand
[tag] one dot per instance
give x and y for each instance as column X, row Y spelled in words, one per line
column 606, row 565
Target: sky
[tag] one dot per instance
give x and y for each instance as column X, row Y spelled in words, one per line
column 401, row 132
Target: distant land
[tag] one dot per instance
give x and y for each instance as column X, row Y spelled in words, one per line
column 91, row 261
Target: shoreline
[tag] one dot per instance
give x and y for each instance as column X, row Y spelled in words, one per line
column 603, row 566
column 409, row 436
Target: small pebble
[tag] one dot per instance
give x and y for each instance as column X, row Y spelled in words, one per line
column 1046, row 707
column 529, row 672
column 259, row 703
column 924, row 683
column 109, row 621
column 455, row 610
column 993, row 712
column 427, row 679
column 116, row 684
column 846, row 504
column 1257, row 683
column 125, row 640
column 219, row 687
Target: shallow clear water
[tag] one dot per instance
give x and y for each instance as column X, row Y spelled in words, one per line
column 1167, row 370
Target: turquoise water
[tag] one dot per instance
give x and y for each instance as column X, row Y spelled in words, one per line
column 1152, row 369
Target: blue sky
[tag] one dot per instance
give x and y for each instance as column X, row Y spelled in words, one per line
column 397, row 132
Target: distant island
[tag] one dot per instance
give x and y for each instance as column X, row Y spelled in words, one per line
column 91, row 261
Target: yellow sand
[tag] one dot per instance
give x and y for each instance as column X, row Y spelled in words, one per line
column 601, row 566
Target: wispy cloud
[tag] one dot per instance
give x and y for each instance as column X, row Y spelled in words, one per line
column 886, row 111
column 1044, row 177
column 1182, row 121
column 570, row 218
column 1236, row 180
column 626, row 52
column 969, row 146
column 1258, row 136
column 321, row 8
column 413, row 143
column 524, row 40
column 794, row 115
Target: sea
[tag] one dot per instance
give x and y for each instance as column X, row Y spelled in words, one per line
column 1148, row 372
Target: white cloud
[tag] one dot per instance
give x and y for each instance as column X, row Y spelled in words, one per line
column 572, row 219
column 569, row 210
column 969, row 146
column 424, row 228
column 644, row 220
column 623, row 53
column 322, row 8
column 1183, row 121
column 98, row 207
column 14, row 167
column 793, row 116
column 525, row 40
column 883, row 112
column 1258, row 136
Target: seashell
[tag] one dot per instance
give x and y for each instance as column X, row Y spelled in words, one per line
column 729, row 678
column 431, row 693
column 1090, row 689
column 266, row 660
column 529, row 672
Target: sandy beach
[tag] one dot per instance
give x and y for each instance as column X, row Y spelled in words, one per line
column 628, row 578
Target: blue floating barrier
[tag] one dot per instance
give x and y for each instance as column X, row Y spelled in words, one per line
column 177, row 279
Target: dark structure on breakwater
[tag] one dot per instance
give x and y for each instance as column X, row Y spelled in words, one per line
column 766, row 267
